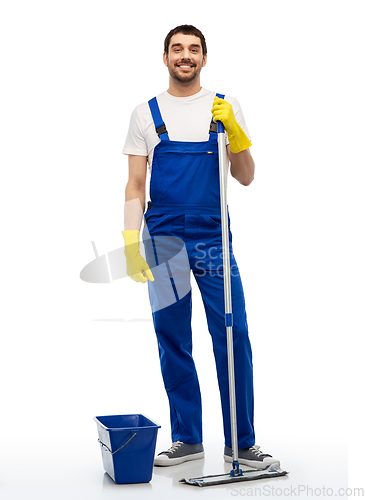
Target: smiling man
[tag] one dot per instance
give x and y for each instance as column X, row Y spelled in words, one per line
column 175, row 136
column 184, row 60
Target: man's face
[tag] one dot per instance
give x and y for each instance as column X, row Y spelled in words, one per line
column 185, row 58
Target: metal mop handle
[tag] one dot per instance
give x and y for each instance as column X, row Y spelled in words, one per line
column 227, row 289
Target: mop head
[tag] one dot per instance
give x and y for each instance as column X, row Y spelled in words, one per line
column 249, row 475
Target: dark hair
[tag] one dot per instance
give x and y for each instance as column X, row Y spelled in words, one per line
column 186, row 29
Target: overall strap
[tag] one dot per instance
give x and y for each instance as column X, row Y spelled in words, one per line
column 158, row 121
column 213, row 126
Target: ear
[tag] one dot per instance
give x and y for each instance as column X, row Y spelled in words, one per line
column 204, row 60
column 165, row 58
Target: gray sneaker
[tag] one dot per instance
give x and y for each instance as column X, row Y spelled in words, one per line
column 179, row 453
column 252, row 457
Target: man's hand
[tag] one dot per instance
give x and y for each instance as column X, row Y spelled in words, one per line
column 137, row 267
column 222, row 111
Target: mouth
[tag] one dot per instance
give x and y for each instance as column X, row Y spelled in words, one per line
column 185, row 67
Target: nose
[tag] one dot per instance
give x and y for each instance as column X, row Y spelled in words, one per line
column 185, row 54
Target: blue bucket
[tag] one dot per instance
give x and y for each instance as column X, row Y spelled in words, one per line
column 128, row 444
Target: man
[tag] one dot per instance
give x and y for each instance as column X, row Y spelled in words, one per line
column 174, row 134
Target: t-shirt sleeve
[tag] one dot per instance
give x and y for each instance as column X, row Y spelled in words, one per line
column 135, row 143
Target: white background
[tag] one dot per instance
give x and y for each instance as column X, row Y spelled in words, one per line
column 72, row 72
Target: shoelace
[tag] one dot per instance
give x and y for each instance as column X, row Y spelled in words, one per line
column 256, row 450
column 175, row 446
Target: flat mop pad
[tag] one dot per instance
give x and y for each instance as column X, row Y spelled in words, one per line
column 247, row 475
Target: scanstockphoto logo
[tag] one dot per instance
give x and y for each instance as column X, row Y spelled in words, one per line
column 168, row 260
column 297, row 491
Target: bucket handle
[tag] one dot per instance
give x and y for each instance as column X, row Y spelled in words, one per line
column 116, row 451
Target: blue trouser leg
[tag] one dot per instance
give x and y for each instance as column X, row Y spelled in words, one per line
column 174, row 336
column 172, row 322
column 212, row 290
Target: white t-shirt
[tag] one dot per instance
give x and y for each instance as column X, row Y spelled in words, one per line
column 187, row 119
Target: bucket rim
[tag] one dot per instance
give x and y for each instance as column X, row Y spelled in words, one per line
column 129, row 428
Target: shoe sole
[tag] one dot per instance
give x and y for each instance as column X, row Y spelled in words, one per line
column 252, row 463
column 166, row 462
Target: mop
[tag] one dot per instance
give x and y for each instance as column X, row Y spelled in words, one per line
column 236, row 474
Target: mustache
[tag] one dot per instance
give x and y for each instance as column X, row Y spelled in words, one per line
column 180, row 63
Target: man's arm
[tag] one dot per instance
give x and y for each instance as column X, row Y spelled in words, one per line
column 242, row 166
column 135, row 192
column 137, row 267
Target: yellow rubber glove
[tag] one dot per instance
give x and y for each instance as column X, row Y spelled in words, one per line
column 137, row 267
column 222, row 111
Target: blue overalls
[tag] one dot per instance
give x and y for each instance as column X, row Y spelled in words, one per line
column 184, row 215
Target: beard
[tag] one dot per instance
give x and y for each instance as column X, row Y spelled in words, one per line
column 182, row 77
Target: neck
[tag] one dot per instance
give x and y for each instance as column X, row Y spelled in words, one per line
column 178, row 89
